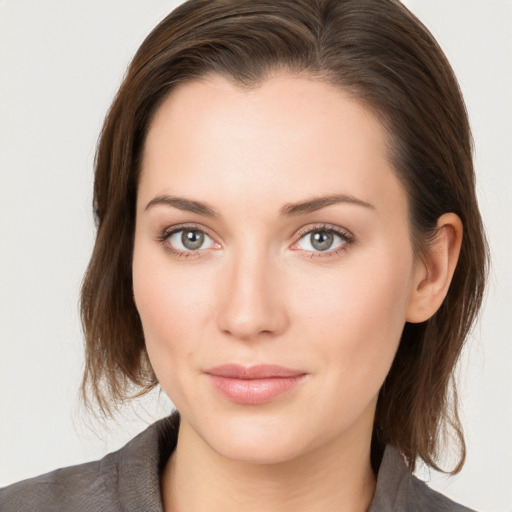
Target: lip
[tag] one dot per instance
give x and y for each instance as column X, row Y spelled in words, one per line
column 253, row 385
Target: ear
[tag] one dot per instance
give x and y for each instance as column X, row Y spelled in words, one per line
column 433, row 274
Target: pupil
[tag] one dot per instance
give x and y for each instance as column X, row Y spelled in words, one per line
column 321, row 240
column 192, row 239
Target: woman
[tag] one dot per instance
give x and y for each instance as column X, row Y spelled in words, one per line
column 289, row 244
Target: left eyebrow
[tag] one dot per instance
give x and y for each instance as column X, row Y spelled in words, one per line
column 317, row 203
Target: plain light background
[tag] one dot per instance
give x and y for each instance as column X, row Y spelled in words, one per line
column 61, row 62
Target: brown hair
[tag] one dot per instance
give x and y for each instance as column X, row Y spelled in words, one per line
column 383, row 56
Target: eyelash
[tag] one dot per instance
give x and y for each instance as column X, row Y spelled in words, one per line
column 346, row 237
column 166, row 234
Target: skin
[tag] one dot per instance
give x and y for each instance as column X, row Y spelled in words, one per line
column 257, row 291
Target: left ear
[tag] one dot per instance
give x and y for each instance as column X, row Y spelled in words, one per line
column 434, row 272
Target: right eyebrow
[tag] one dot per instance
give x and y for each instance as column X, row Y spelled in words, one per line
column 181, row 203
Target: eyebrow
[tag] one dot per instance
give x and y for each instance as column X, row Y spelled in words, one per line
column 317, row 203
column 181, row 203
column 288, row 210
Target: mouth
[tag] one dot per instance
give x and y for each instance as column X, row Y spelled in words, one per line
column 253, row 385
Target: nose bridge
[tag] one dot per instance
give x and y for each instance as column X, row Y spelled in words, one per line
column 252, row 304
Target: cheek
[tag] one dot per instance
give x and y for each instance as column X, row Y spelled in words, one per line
column 173, row 306
column 354, row 317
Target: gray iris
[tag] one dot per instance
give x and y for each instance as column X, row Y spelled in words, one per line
column 192, row 239
column 321, row 240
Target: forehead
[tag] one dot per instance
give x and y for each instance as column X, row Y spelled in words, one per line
column 288, row 137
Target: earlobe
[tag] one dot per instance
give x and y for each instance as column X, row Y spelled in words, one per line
column 434, row 273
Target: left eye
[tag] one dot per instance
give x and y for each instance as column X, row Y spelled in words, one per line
column 321, row 240
column 190, row 240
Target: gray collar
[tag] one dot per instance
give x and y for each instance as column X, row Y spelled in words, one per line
column 140, row 463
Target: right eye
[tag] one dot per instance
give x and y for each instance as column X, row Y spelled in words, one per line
column 189, row 240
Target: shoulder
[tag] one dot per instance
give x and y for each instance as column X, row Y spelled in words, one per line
column 126, row 480
column 428, row 499
column 399, row 491
column 65, row 489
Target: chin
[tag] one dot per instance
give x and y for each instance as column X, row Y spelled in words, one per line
column 264, row 449
column 256, row 439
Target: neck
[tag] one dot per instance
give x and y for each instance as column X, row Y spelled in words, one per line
column 337, row 476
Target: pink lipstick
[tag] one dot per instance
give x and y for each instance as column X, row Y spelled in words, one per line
column 253, row 385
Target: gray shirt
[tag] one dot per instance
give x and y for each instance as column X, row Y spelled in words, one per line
column 128, row 480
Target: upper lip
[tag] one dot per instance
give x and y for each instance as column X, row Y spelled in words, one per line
column 260, row 371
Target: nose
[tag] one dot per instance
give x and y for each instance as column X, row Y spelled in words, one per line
column 252, row 300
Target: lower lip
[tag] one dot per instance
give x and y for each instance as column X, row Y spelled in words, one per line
column 254, row 391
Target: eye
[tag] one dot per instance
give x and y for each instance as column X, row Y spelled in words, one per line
column 322, row 240
column 187, row 240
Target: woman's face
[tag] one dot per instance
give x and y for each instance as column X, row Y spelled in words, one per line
column 273, row 269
